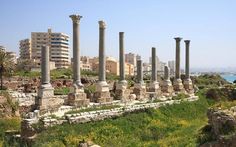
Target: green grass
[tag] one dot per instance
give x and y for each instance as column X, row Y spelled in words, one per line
column 174, row 125
column 93, row 109
column 8, row 124
column 62, row 91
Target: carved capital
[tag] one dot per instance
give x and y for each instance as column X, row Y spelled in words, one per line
column 102, row 24
column 75, row 18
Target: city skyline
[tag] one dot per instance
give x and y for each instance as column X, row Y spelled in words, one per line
column 209, row 25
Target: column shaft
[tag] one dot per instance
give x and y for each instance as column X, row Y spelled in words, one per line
column 187, row 43
column 154, row 65
column 140, row 71
column 122, row 56
column 45, row 69
column 177, row 58
column 102, row 62
column 76, row 49
column 166, row 73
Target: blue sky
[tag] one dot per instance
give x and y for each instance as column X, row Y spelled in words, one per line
column 209, row 24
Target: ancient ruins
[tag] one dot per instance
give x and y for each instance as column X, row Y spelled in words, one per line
column 47, row 103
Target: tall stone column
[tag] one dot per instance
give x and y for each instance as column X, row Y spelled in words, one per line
column 102, row 62
column 46, row 99
column 102, row 93
column 178, row 86
column 140, row 86
column 188, row 85
column 121, row 92
column 122, row 57
column 45, row 69
column 167, row 87
column 154, row 85
column 77, row 97
column 76, row 53
column 139, row 71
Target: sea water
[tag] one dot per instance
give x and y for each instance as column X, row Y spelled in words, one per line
column 229, row 78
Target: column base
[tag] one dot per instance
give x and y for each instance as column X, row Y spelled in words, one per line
column 188, row 85
column 167, row 88
column 140, row 91
column 46, row 99
column 155, row 87
column 178, row 85
column 122, row 93
column 102, row 94
column 78, row 99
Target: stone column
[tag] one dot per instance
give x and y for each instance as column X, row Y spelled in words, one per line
column 178, row 86
column 122, row 57
column 76, row 52
column 139, row 71
column 46, row 99
column 102, row 62
column 167, row 87
column 188, row 85
column 45, row 69
column 154, row 85
column 187, row 42
column 121, row 92
column 139, row 86
column 102, row 93
column 154, row 65
column 77, row 97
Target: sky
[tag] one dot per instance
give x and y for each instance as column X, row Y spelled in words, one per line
column 209, row 24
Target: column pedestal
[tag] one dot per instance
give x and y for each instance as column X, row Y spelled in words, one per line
column 77, row 97
column 154, row 87
column 188, row 85
column 102, row 94
column 140, row 91
column 178, row 86
column 46, row 99
column 122, row 93
column 167, row 88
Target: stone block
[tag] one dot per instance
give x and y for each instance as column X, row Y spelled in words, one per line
column 178, row 86
column 188, row 85
column 78, row 99
column 140, row 91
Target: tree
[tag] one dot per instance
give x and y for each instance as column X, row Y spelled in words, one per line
column 6, row 65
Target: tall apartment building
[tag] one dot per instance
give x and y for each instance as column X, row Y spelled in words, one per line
column 25, row 49
column 58, row 43
column 131, row 58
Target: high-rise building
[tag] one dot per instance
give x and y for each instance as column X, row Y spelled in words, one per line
column 25, row 49
column 171, row 65
column 58, row 43
column 131, row 58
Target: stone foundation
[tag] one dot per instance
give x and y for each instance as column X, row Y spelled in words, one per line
column 167, row 88
column 140, row 91
column 102, row 94
column 122, row 93
column 46, row 101
column 78, row 99
column 154, row 87
column 188, row 85
column 178, row 86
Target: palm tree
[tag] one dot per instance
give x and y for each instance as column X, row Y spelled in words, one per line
column 6, row 65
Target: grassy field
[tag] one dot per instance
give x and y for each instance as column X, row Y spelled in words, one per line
column 8, row 124
column 174, row 125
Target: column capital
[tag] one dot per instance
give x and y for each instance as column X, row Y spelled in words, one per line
column 121, row 33
column 178, row 39
column 75, row 18
column 102, row 24
column 187, row 41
